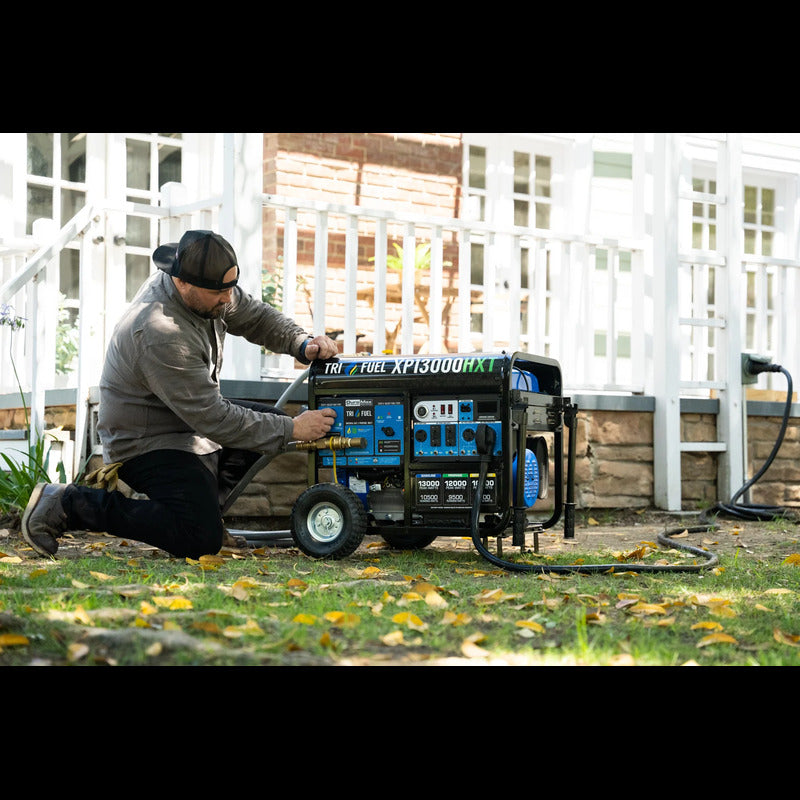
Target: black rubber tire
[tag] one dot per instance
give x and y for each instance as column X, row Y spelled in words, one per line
column 328, row 521
column 408, row 541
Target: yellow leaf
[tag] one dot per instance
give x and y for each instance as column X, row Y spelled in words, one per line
column 370, row 572
column 489, row 596
column 101, row 576
column 722, row 610
column 470, row 648
column 246, row 583
column 147, row 608
column 82, row 616
column 793, row 559
column 786, row 638
column 305, row 619
column 647, row 608
column 250, row 628
column 341, row 618
column 172, row 602
column 435, row 600
column 206, row 627
column 707, row 625
column 529, row 624
column 12, row 639
column 36, row 573
column 450, row 618
column 76, row 651
column 154, row 649
column 296, row 583
column 592, row 521
column 393, row 639
column 716, row 638
column 411, row 620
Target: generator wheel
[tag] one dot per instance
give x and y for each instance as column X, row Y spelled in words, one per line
column 328, row 521
column 406, row 541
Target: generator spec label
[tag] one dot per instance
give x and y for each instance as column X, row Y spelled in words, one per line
column 359, row 411
column 453, row 490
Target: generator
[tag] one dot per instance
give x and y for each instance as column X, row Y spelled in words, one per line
column 425, row 446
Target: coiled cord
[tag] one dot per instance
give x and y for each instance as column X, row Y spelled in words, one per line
column 755, row 511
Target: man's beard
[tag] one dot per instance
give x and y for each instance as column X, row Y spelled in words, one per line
column 215, row 312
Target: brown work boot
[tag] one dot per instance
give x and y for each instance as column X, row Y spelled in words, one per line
column 44, row 519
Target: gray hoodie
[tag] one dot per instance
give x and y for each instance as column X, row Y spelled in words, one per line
column 160, row 383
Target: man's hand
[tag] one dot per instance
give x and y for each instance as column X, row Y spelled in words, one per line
column 312, row 425
column 321, row 347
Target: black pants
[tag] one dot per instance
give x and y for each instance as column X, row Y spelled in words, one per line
column 185, row 493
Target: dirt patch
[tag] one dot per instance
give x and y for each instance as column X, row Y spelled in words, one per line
column 624, row 530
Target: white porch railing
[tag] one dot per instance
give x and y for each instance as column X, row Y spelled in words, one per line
column 588, row 302
column 580, row 300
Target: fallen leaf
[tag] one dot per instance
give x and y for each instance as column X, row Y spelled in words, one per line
column 470, row 648
column 530, row 625
column 393, row 639
column 370, row 572
column 410, row 620
column 647, row 608
column 250, row 628
column 716, row 638
column 451, row 618
column 786, row 638
column 77, row 651
column 707, row 625
column 489, row 596
column 172, row 602
column 13, row 639
column 341, row 618
column 793, row 559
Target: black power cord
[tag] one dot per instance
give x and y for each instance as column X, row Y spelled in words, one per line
column 755, row 511
column 485, row 440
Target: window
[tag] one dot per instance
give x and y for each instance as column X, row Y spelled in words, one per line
column 508, row 183
column 151, row 160
column 704, row 217
column 56, row 189
column 532, row 190
column 759, row 220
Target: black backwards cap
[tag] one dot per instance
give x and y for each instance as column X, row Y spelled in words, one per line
column 201, row 258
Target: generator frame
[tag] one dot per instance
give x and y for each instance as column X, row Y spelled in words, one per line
column 407, row 421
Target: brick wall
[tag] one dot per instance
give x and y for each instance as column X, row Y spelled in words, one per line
column 419, row 172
